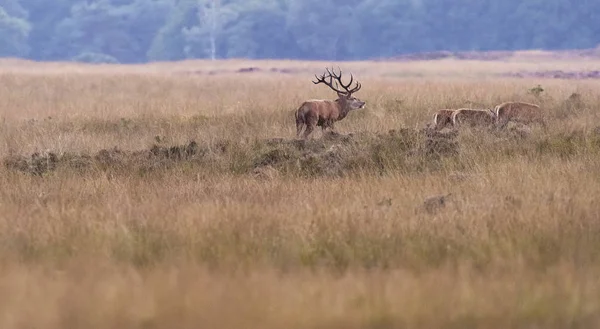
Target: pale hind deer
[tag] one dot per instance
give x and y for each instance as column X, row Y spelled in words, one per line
column 325, row 113
column 473, row 117
column 442, row 118
column 520, row 112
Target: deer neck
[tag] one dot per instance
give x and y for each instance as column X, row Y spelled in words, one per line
column 344, row 108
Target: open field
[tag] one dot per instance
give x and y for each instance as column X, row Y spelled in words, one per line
column 174, row 195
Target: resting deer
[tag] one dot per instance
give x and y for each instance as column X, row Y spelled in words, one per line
column 442, row 118
column 325, row 113
column 473, row 117
column 521, row 112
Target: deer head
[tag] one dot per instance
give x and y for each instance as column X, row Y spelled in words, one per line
column 345, row 97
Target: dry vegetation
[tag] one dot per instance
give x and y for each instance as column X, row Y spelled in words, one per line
column 148, row 197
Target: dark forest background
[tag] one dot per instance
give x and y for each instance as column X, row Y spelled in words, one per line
column 136, row 31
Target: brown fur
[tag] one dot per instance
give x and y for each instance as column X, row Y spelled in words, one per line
column 442, row 118
column 473, row 117
column 325, row 113
column 521, row 112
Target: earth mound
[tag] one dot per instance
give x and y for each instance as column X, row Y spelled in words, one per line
column 333, row 154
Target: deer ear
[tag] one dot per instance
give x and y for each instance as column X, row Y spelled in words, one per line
column 341, row 95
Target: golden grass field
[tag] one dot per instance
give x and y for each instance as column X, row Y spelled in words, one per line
column 120, row 222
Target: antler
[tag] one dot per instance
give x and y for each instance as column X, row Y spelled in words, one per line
column 331, row 76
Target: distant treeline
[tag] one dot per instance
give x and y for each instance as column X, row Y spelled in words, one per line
column 134, row 31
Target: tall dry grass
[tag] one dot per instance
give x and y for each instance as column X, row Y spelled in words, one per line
column 133, row 242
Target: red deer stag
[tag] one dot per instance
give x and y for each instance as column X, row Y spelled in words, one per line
column 442, row 119
column 521, row 112
column 325, row 113
column 473, row 117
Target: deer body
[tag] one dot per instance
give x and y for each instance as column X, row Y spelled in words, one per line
column 521, row 112
column 325, row 113
column 442, row 118
column 473, row 117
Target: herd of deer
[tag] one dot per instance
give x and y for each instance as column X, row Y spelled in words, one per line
column 324, row 113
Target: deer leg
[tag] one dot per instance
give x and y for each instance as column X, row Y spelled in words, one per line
column 309, row 129
column 327, row 124
column 299, row 126
column 310, row 126
column 331, row 127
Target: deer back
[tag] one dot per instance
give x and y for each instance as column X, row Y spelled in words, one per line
column 473, row 116
column 518, row 110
